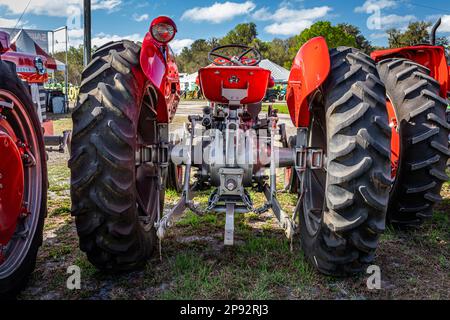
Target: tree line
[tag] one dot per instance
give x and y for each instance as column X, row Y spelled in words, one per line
column 280, row 51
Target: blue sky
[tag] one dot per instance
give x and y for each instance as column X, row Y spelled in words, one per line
column 116, row 19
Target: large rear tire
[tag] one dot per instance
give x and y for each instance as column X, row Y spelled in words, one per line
column 423, row 135
column 115, row 201
column 19, row 254
column 344, row 205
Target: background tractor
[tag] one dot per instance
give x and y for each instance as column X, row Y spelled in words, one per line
column 33, row 71
column 122, row 153
column 417, row 83
column 23, row 179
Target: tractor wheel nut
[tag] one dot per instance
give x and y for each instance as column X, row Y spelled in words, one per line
column 231, row 185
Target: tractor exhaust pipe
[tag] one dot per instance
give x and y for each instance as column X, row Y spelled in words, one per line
column 87, row 32
column 433, row 32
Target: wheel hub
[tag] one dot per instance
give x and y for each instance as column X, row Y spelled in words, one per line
column 395, row 140
column 314, row 177
column 11, row 186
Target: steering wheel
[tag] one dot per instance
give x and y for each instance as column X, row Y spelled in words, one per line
column 240, row 60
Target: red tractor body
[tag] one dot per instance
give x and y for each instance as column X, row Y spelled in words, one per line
column 158, row 65
column 248, row 85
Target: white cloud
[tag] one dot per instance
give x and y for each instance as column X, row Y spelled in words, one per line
column 76, row 39
column 262, row 14
column 76, row 33
column 395, row 21
column 105, row 4
column 140, row 18
column 288, row 28
column 285, row 13
column 371, row 6
column 381, row 35
column 55, row 8
column 445, row 24
column 219, row 12
column 103, row 38
column 177, row 45
column 8, row 23
column 288, row 21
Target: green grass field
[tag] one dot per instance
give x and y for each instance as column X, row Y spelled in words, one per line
column 196, row 265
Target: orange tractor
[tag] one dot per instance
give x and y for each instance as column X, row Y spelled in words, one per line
column 350, row 176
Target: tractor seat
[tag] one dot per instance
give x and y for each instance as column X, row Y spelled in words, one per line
column 234, row 85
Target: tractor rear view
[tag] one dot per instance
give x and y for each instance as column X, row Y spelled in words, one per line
column 360, row 151
column 123, row 159
column 417, row 83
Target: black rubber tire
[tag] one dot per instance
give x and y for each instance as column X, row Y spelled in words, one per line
column 103, row 173
column 423, row 131
column 13, row 284
column 358, row 169
column 174, row 181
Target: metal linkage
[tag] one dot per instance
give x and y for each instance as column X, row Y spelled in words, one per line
column 229, row 224
column 185, row 201
column 270, row 192
column 60, row 142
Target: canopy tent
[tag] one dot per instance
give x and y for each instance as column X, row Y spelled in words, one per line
column 280, row 74
column 23, row 43
column 188, row 82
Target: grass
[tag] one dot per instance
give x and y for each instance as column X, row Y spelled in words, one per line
column 282, row 108
column 196, row 265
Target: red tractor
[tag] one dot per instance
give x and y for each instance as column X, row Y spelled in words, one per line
column 417, row 83
column 23, row 177
column 122, row 154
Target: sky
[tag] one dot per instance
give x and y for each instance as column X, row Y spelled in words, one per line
column 203, row 19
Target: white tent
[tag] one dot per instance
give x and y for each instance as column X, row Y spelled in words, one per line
column 187, row 82
column 22, row 42
column 280, row 74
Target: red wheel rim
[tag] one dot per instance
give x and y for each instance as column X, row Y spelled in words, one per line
column 18, row 120
column 395, row 140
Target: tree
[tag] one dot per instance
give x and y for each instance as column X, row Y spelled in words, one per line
column 195, row 57
column 75, row 65
column 416, row 33
column 334, row 35
column 243, row 33
column 361, row 42
column 277, row 51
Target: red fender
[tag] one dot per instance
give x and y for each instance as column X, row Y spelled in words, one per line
column 310, row 69
column 163, row 75
column 432, row 57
